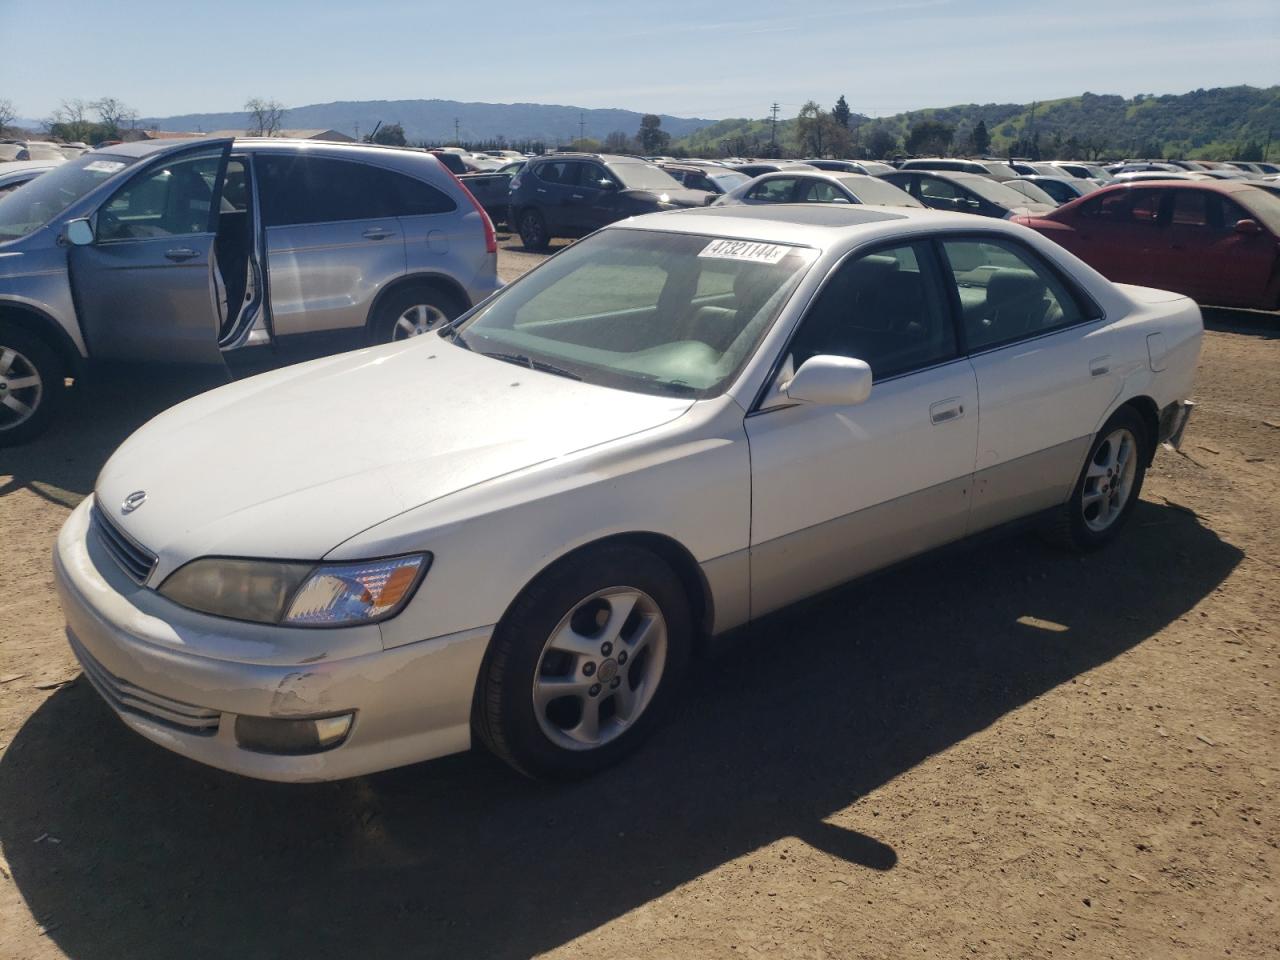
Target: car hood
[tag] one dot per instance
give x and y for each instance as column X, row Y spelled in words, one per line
column 292, row 463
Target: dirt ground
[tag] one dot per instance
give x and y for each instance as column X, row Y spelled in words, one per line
column 1005, row 752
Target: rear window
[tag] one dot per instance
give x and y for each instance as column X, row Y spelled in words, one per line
column 298, row 189
column 879, row 192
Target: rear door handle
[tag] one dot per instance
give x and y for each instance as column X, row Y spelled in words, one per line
column 376, row 233
column 945, row 410
column 178, row 254
column 1100, row 366
column 577, row 196
column 539, row 189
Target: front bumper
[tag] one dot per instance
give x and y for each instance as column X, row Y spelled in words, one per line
column 411, row 703
column 1173, row 422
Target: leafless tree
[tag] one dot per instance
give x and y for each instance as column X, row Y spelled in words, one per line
column 70, row 122
column 265, row 117
column 7, row 114
column 114, row 115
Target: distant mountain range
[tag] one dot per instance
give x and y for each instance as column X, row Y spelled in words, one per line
column 433, row 120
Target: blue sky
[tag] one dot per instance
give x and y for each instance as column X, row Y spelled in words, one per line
column 682, row 57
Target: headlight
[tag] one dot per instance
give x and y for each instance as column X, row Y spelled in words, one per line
column 298, row 594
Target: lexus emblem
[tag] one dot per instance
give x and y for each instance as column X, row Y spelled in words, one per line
column 133, row 501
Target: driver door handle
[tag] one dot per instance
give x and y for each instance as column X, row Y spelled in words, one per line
column 376, row 233
column 178, row 254
column 576, row 196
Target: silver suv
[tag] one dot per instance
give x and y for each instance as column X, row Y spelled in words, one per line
column 194, row 251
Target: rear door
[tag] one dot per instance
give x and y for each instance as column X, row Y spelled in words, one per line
column 145, row 287
column 332, row 237
column 1047, row 371
column 1122, row 234
column 553, row 184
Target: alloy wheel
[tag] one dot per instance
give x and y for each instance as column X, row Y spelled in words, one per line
column 1108, row 481
column 419, row 319
column 21, row 388
column 600, row 668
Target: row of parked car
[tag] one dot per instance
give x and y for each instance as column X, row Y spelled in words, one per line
column 286, row 249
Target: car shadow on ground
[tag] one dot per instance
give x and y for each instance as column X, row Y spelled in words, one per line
column 780, row 729
column 1258, row 323
column 96, row 416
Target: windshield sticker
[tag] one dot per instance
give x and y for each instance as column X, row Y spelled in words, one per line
column 747, row 250
column 104, row 166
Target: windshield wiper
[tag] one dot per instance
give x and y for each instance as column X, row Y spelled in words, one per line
column 519, row 359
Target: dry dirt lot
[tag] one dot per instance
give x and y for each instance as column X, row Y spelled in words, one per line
column 1006, row 752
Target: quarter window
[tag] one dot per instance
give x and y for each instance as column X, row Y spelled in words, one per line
column 1007, row 293
column 301, row 189
column 885, row 308
column 174, row 199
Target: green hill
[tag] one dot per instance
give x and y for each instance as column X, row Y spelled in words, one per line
column 1214, row 124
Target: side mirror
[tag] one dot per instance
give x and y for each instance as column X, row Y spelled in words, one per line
column 1248, row 227
column 79, row 232
column 607, row 184
column 831, row 381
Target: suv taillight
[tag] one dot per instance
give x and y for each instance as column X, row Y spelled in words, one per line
column 490, row 238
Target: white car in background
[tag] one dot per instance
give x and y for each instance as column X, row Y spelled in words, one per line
column 517, row 531
column 817, row 186
column 18, row 172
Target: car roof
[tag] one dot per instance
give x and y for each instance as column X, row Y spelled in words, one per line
column 944, row 174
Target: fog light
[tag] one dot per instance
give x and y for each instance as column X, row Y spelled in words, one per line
column 274, row 735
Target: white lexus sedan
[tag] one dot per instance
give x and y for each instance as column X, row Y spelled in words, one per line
column 519, row 530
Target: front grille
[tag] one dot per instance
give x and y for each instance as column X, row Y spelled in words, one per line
column 135, row 560
column 126, row 698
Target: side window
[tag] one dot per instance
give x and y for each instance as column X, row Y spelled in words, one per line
column 1233, row 213
column 1007, row 293
column 819, row 191
column 1191, row 209
column 298, row 189
column 590, row 175
column 935, row 189
column 886, row 308
column 777, row 190
column 556, row 171
column 1146, row 206
column 174, row 199
column 1125, row 206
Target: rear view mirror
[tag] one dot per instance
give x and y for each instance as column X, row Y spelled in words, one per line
column 831, row 381
column 1248, row 227
column 79, row 233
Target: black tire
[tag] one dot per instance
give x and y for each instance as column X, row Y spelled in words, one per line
column 533, row 231
column 1070, row 527
column 440, row 306
column 31, row 356
column 504, row 717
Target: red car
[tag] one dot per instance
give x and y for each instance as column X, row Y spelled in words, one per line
column 1218, row 242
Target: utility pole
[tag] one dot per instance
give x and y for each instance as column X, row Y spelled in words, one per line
column 773, row 137
column 457, row 137
column 582, row 128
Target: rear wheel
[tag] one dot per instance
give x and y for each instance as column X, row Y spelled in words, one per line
column 413, row 311
column 533, row 231
column 585, row 663
column 31, row 385
column 1108, row 487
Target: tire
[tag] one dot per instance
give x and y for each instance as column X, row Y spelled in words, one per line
column 1101, row 502
column 32, row 385
column 533, row 231
column 625, row 671
column 412, row 311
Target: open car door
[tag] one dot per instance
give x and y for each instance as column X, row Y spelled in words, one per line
column 145, row 287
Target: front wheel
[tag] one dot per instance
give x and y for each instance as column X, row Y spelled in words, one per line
column 585, row 663
column 31, row 385
column 1108, row 487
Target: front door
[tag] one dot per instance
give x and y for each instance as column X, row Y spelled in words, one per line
column 1220, row 265
column 333, row 241
column 838, row 491
column 145, row 287
column 1123, row 235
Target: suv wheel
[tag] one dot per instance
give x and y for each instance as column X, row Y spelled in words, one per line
column 31, row 385
column 533, row 231
column 414, row 311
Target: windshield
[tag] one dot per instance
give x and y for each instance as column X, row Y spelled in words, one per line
column 643, row 176
column 997, row 169
column 666, row 313
column 998, row 193
column 874, row 167
column 26, row 210
column 879, row 192
column 1031, row 191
